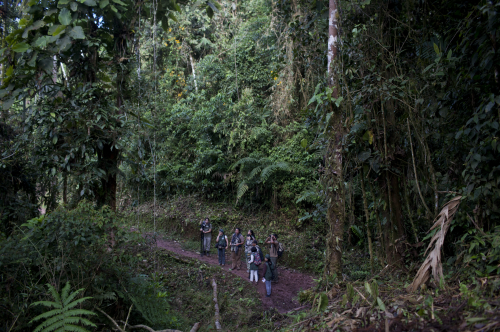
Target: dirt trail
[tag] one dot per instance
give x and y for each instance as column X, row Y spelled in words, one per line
column 284, row 293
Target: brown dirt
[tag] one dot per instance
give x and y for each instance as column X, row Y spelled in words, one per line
column 284, row 293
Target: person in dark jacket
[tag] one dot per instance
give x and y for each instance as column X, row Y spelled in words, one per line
column 222, row 245
column 268, row 274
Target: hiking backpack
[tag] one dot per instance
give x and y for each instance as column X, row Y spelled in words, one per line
column 261, row 255
column 281, row 249
column 256, row 259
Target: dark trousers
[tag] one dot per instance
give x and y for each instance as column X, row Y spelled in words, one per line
column 222, row 256
column 274, row 260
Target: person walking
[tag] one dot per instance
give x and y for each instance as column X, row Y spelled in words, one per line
column 273, row 254
column 248, row 246
column 236, row 244
column 222, row 245
column 206, row 229
column 253, row 266
column 268, row 274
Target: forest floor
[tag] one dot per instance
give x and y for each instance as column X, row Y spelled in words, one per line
column 284, row 292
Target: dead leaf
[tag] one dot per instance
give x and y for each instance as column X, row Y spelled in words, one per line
column 433, row 261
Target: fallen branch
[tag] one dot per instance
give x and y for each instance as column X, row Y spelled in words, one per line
column 134, row 327
column 195, row 327
column 364, row 298
column 433, row 260
column 217, row 315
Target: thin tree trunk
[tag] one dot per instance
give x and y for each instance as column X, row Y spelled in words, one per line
column 333, row 161
column 410, row 214
column 65, row 188
column 415, row 171
column 367, row 216
column 194, row 72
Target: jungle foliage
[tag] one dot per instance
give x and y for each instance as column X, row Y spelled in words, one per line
column 108, row 105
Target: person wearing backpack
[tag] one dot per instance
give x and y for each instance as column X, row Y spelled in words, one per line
column 222, row 245
column 268, row 274
column 236, row 244
column 248, row 247
column 206, row 229
column 273, row 254
column 254, row 265
column 259, row 251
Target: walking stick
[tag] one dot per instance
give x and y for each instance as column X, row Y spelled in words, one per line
column 202, row 238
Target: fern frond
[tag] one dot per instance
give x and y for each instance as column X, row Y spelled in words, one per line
column 269, row 170
column 242, row 189
column 48, row 314
column 65, row 292
column 45, row 327
column 72, row 296
column 48, row 304
column 310, row 196
column 76, row 320
column 76, row 302
column 77, row 312
column 54, row 293
column 63, row 318
column 254, row 172
column 243, row 161
column 74, row 328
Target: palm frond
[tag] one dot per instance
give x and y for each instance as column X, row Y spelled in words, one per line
column 433, row 260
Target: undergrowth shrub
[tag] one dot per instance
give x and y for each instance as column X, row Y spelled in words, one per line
column 86, row 247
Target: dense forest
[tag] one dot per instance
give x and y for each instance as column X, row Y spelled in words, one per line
column 364, row 133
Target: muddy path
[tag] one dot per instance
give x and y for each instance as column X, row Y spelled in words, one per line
column 284, row 293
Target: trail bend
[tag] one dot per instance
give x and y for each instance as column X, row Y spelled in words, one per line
column 284, row 293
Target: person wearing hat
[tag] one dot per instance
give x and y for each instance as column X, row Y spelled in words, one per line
column 268, row 274
column 222, row 245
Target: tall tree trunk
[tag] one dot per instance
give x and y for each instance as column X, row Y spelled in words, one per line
column 333, row 160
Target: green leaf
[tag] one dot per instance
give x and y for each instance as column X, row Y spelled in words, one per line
column 113, row 8
column 436, row 49
column 213, row 7
column 172, row 17
column 77, row 33
column 90, row 3
column 210, row 12
column 303, row 143
column 73, row 6
column 56, row 29
column 381, row 304
column 63, row 2
column 8, row 103
column 65, row 16
column 20, row 47
column 103, row 3
column 119, row 2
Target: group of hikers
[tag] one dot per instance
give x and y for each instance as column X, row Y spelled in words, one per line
column 254, row 256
